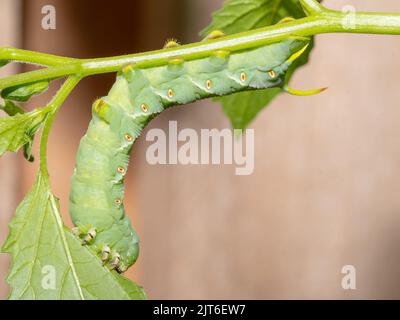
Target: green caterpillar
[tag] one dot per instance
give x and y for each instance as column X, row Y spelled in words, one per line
column 138, row 95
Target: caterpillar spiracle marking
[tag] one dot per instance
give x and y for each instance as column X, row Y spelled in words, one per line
column 138, row 95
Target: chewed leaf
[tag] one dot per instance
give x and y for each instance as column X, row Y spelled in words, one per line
column 18, row 130
column 24, row 92
column 50, row 263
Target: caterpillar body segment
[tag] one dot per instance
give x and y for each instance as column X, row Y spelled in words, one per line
column 138, row 95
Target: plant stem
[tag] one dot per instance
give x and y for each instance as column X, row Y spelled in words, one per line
column 33, row 57
column 311, row 6
column 319, row 21
column 54, row 105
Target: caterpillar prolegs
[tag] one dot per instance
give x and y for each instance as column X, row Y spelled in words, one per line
column 138, row 95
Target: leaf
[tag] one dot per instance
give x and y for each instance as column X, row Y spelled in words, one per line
column 242, row 15
column 28, row 150
column 242, row 107
column 11, row 108
column 18, row 130
column 50, row 263
column 3, row 63
column 24, row 92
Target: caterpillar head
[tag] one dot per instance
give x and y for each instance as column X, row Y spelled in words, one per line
column 100, row 108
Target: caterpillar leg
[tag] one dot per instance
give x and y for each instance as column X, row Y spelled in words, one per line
column 115, row 260
column 121, row 268
column 105, row 254
column 76, row 231
column 86, row 235
column 89, row 236
column 117, row 264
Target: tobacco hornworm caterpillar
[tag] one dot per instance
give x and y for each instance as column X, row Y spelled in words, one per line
column 138, row 95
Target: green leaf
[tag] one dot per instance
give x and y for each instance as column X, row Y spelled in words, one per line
column 3, row 63
column 24, row 92
column 243, row 15
column 18, row 130
column 50, row 263
column 242, row 107
column 11, row 108
column 28, row 155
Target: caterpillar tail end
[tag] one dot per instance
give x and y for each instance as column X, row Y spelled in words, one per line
column 303, row 93
column 298, row 53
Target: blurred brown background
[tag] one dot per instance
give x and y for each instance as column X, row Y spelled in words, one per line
column 325, row 190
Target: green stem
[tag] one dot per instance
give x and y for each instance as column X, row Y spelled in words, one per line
column 33, row 57
column 319, row 21
column 311, row 7
column 54, row 105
